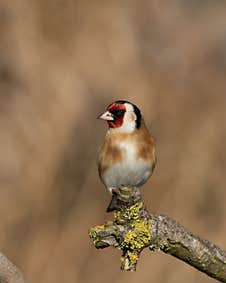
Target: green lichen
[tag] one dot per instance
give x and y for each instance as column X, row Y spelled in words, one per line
column 153, row 247
column 213, row 260
column 161, row 245
column 164, row 246
column 138, row 236
column 108, row 224
column 93, row 234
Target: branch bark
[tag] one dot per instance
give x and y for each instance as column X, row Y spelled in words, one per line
column 9, row 273
column 134, row 229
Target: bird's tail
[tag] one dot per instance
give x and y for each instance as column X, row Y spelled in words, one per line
column 113, row 203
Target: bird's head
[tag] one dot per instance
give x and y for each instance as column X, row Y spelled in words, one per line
column 122, row 115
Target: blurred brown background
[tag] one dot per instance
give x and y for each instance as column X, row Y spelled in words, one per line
column 61, row 62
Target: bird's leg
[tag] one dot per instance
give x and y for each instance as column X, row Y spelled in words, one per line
column 123, row 196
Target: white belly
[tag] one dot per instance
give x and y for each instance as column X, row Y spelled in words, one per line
column 124, row 175
column 131, row 172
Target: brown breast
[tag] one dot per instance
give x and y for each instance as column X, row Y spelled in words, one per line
column 111, row 153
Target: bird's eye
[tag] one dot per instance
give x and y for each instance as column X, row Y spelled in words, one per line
column 118, row 113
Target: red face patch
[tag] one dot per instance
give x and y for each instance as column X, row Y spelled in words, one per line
column 118, row 111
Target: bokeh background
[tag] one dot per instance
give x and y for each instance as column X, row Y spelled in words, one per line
column 61, row 63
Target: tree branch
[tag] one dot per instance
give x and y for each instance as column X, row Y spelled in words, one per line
column 134, row 229
column 9, row 273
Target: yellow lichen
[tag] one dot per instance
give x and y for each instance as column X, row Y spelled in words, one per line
column 133, row 256
column 138, row 236
column 128, row 214
column 128, row 261
column 99, row 227
column 134, row 210
column 117, row 215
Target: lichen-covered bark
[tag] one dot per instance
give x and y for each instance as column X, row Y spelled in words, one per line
column 9, row 273
column 134, row 229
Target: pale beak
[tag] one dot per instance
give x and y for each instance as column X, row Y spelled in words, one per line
column 106, row 116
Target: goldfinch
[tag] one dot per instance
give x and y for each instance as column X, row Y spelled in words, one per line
column 127, row 156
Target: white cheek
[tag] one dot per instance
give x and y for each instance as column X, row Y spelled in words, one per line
column 129, row 124
column 131, row 117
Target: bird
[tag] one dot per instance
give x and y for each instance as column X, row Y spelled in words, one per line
column 127, row 156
